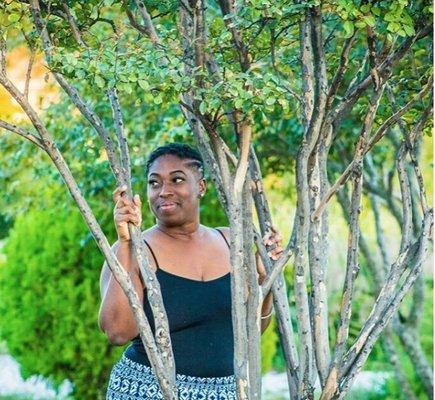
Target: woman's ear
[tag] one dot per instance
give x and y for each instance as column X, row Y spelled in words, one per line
column 202, row 187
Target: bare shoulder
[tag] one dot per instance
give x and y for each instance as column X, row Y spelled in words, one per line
column 225, row 230
column 147, row 236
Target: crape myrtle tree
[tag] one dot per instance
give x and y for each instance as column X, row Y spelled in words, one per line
column 229, row 66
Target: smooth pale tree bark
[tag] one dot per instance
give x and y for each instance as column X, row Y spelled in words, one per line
column 310, row 351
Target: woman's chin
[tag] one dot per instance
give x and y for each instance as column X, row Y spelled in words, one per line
column 170, row 218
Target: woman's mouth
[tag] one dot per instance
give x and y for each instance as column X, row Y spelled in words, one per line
column 169, row 206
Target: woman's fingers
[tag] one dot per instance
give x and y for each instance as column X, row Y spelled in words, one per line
column 118, row 192
column 127, row 210
column 273, row 238
column 128, row 218
column 136, row 200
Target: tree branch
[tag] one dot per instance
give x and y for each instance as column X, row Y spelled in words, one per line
column 72, row 23
column 338, row 77
column 354, row 93
column 20, row 131
column 381, row 131
column 122, row 140
column 148, row 23
column 359, row 352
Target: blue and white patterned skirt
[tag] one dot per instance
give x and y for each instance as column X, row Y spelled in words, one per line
column 130, row 380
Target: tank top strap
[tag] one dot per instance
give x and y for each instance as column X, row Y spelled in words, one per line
column 226, row 241
column 152, row 252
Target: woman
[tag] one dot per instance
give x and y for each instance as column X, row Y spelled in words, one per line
column 192, row 264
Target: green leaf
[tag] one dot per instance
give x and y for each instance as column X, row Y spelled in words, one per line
column 376, row 11
column 143, row 84
column 14, row 17
column 409, row 29
column 393, row 27
column 370, row 20
column 348, row 28
column 99, row 81
column 365, row 8
column 238, row 103
column 389, row 17
column 270, row 101
column 202, row 107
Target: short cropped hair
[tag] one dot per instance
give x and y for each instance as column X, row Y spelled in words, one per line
column 180, row 150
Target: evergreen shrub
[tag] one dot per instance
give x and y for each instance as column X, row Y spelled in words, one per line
column 49, row 301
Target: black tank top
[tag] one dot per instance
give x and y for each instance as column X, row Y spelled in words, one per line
column 200, row 324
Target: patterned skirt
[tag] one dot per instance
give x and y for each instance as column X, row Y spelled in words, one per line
column 130, row 380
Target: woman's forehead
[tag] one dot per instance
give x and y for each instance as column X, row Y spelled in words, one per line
column 169, row 163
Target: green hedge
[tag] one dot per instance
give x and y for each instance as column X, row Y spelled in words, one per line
column 50, row 299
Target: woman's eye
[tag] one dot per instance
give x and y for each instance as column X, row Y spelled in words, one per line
column 178, row 180
column 153, row 183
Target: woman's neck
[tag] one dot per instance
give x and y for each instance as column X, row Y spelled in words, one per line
column 187, row 231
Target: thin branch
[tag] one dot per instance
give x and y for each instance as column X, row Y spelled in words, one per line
column 122, row 140
column 30, row 64
column 371, row 43
column 75, row 96
column 306, row 61
column 411, row 140
column 2, row 55
column 29, row 73
column 406, row 197
column 134, row 23
column 148, row 23
column 22, row 132
column 396, row 116
column 338, row 77
column 381, row 131
column 105, row 20
column 244, row 125
column 72, row 23
column 354, row 93
column 278, row 285
column 359, row 352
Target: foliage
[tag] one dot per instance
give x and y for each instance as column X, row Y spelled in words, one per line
column 50, row 300
column 150, row 82
column 269, row 341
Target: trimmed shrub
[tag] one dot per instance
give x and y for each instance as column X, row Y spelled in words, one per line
column 50, row 298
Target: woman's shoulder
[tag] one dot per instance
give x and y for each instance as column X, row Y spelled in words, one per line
column 147, row 233
column 225, row 230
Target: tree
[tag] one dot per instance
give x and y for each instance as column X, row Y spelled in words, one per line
column 227, row 66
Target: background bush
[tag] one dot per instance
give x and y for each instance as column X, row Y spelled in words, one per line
column 50, row 298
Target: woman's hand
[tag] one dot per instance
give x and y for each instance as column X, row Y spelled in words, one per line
column 125, row 211
column 272, row 238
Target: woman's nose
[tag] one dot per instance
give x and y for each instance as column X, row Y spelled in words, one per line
column 166, row 190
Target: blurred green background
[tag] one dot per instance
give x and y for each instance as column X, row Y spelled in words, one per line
column 50, row 265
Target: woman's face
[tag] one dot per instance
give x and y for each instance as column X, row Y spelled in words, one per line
column 174, row 189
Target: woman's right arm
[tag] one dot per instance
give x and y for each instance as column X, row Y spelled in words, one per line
column 115, row 317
